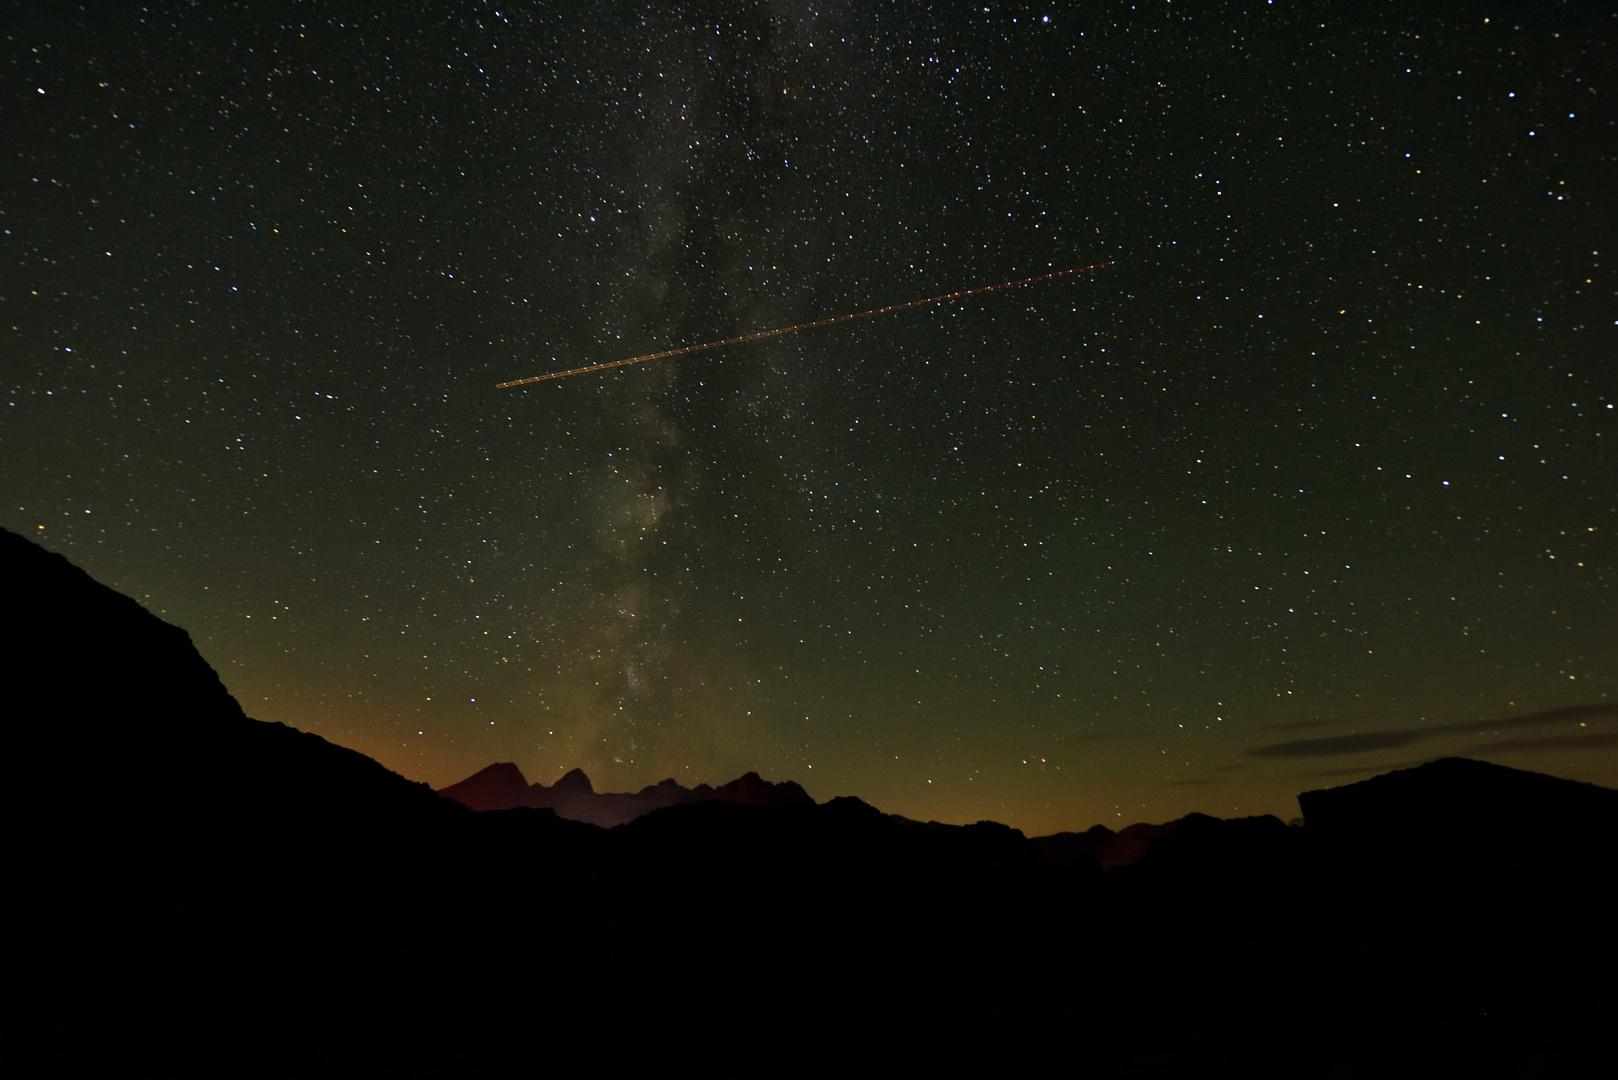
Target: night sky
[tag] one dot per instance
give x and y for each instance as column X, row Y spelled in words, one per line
column 1317, row 479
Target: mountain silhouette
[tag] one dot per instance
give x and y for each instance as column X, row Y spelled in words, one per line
column 193, row 893
column 1400, row 812
column 503, row 786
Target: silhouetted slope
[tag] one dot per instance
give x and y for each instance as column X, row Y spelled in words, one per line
column 169, row 855
column 94, row 680
column 111, row 706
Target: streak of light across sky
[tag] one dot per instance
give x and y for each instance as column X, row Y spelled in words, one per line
column 757, row 335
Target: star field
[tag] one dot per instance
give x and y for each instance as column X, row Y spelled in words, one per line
column 1316, row 479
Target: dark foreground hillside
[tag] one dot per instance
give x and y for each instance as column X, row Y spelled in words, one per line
column 197, row 894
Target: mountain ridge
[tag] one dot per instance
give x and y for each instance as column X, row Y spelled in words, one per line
column 502, row 786
column 206, row 895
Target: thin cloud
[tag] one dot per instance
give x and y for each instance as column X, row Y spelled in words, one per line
column 1584, row 740
column 1295, row 725
column 1599, row 710
column 1341, row 744
column 1366, row 742
column 1358, row 770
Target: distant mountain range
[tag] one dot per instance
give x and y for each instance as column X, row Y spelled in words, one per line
column 193, row 893
column 503, row 787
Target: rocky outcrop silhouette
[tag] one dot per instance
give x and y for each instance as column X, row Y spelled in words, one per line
column 1455, row 810
column 504, row 787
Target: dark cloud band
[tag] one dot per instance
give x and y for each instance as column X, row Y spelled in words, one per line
column 1360, row 743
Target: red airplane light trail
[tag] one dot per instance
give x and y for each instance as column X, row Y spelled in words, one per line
column 756, row 335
